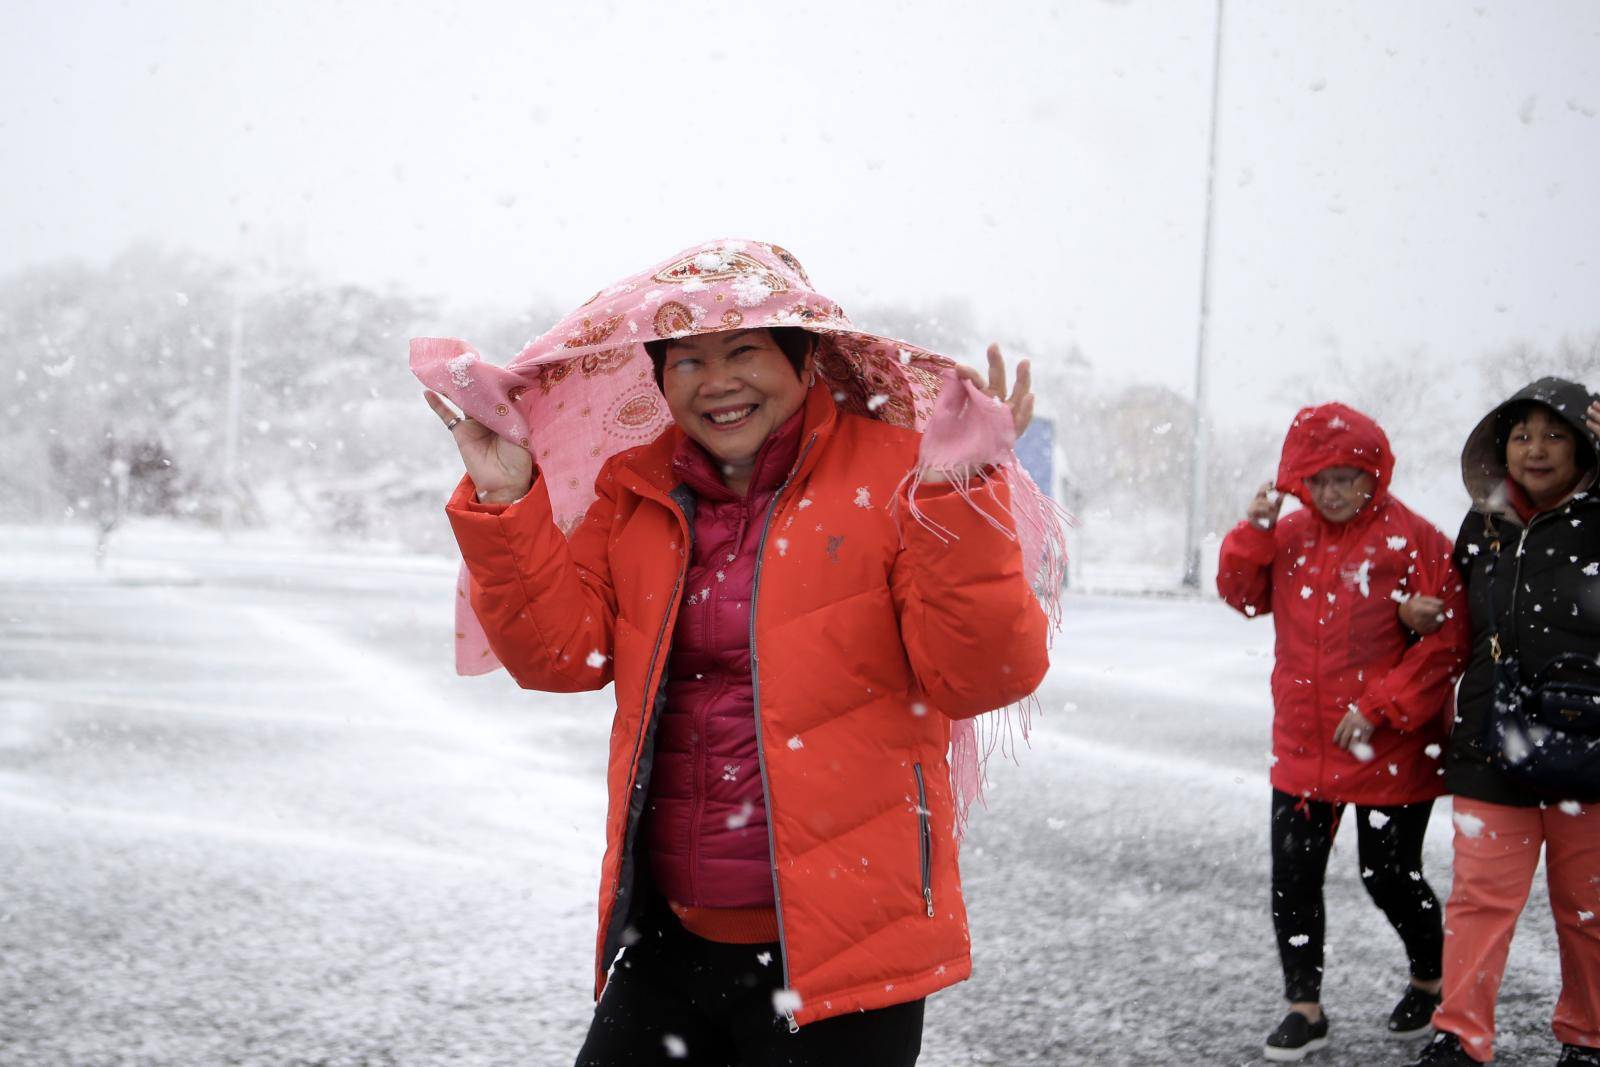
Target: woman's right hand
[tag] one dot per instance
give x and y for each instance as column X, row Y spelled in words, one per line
column 1263, row 510
column 501, row 471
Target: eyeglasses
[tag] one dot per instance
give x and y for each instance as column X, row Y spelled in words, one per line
column 1340, row 480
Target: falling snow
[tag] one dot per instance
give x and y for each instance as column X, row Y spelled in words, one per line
column 1363, row 578
column 741, row 818
column 786, row 1001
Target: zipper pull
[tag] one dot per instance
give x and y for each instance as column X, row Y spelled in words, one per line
column 1494, row 648
column 927, row 896
column 794, row 1027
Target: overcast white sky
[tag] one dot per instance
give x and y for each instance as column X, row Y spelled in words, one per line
column 1390, row 176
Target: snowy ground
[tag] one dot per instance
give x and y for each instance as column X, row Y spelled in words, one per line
column 247, row 816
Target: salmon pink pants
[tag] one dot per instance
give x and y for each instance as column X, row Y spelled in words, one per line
column 1496, row 853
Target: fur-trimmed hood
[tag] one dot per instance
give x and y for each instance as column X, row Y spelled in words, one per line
column 1483, row 459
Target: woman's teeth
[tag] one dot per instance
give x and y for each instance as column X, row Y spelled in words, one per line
column 724, row 418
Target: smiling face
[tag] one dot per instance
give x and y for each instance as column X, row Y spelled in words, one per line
column 729, row 391
column 1541, row 456
column 1340, row 492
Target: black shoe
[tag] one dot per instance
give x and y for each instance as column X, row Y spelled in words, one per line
column 1413, row 1014
column 1295, row 1037
column 1578, row 1056
column 1444, row 1051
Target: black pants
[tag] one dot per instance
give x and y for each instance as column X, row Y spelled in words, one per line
column 1389, row 848
column 675, row 999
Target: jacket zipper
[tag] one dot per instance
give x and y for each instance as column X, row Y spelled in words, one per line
column 1516, row 583
column 761, row 756
column 645, row 717
column 924, row 840
column 1323, row 617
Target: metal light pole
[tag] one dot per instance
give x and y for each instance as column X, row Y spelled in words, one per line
column 230, row 428
column 1202, row 429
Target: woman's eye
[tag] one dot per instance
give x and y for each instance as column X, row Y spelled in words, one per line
column 683, row 366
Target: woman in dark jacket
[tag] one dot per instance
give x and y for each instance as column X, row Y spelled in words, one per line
column 1530, row 553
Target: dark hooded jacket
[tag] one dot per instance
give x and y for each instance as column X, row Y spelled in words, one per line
column 1546, row 583
column 1332, row 589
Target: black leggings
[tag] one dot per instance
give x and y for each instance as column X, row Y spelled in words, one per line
column 1389, row 849
column 675, row 999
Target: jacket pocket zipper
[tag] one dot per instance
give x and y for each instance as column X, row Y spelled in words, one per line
column 924, row 840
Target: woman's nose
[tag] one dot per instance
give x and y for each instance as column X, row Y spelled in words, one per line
column 718, row 380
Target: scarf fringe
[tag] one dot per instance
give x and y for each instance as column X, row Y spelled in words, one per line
column 1039, row 524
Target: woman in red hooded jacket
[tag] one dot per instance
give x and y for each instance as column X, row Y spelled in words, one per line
column 1359, row 696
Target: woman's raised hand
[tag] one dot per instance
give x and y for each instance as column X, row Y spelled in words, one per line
column 1019, row 400
column 1264, row 508
column 1592, row 417
column 501, row 470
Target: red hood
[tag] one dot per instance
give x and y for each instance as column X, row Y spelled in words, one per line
column 1333, row 435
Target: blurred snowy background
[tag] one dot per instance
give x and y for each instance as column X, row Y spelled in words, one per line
column 219, row 224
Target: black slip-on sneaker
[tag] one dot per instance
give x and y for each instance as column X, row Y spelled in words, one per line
column 1578, row 1056
column 1295, row 1038
column 1444, row 1051
column 1414, row 1013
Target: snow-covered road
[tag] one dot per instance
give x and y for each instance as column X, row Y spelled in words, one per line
column 248, row 816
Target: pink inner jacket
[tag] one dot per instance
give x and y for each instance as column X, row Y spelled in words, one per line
column 706, row 823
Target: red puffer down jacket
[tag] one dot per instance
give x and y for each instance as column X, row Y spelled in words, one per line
column 868, row 633
column 1334, row 590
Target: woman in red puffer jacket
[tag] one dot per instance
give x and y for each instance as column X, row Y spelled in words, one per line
column 1360, row 699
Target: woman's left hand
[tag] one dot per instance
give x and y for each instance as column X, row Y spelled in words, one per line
column 1020, row 399
column 1354, row 728
column 1592, row 416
